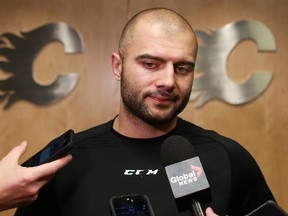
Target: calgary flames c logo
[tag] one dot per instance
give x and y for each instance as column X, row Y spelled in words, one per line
column 18, row 63
column 212, row 61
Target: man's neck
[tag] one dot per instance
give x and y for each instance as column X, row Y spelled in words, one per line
column 137, row 128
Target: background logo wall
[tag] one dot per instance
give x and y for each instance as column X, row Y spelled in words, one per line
column 214, row 49
column 20, row 53
column 213, row 55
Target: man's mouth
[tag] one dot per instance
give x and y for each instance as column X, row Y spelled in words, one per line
column 163, row 100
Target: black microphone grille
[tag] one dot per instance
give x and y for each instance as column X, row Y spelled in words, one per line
column 175, row 149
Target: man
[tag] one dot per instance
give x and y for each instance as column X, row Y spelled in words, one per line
column 20, row 185
column 155, row 66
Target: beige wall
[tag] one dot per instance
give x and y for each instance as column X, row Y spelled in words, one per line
column 260, row 126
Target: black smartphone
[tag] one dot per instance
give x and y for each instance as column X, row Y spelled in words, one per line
column 131, row 205
column 269, row 208
column 55, row 149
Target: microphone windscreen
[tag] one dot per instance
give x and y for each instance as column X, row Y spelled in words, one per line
column 176, row 149
column 185, row 172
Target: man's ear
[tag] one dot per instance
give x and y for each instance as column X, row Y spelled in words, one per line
column 116, row 66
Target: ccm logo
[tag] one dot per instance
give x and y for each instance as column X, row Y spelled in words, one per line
column 141, row 172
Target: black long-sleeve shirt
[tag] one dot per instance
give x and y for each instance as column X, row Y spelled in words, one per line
column 106, row 164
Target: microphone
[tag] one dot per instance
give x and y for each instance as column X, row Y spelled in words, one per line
column 185, row 173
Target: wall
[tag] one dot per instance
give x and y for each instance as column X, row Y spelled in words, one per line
column 260, row 126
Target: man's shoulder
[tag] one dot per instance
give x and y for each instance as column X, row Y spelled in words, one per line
column 191, row 131
column 101, row 130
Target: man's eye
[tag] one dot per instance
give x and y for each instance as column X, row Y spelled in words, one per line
column 149, row 65
column 183, row 69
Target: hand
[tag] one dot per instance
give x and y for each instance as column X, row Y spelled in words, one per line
column 20, row 185
column 209, row 212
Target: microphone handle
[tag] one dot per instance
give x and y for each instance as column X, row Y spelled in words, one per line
column 196, row 208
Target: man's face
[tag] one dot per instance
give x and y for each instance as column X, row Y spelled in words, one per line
column 157, row 74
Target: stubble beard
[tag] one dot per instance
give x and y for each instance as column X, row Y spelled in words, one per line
column 136, row 106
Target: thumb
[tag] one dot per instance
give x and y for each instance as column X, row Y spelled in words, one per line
column 209, row 212
column 18, row 151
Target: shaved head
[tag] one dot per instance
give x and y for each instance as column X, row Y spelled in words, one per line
column 163, row 19
column 155, row 67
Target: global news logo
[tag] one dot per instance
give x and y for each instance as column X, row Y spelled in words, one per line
column 187, row 178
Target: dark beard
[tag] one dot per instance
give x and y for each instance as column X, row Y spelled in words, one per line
column 138, row 108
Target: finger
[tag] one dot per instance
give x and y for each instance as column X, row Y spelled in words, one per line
column 60, row 163
column 209, row 212
column 18, row 151
column 50, row 168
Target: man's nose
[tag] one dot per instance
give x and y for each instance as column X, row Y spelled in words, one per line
column 166, row 78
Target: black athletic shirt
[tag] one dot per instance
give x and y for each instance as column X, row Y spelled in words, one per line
column 107, row 164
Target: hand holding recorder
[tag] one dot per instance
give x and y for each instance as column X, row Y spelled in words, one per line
column 20, row 185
